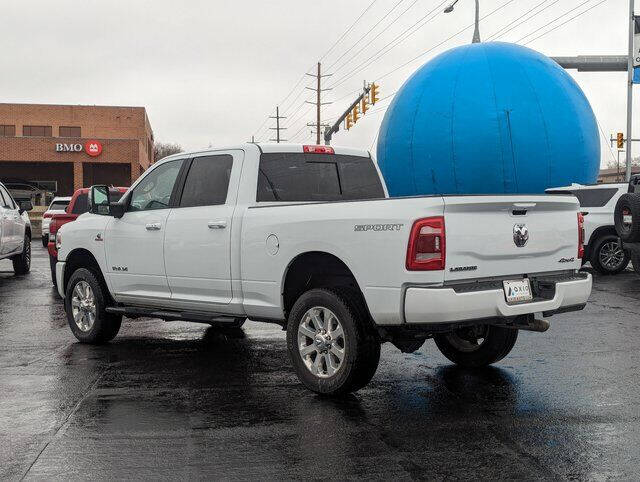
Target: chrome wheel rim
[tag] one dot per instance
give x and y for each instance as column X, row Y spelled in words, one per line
column 468, row 339
column 83, row 306
column 611, row 256
column 321, row 342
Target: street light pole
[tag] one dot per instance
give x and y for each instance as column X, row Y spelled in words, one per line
column 476, row 32
column 630, row 88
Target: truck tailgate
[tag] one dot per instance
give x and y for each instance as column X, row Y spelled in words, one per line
column 485, row 235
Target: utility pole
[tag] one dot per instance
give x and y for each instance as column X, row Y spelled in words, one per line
column 277, row 128
column 318, row 124
column 632, row 23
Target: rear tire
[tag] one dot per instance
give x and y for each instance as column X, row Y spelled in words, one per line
column 45, row 240
column 22, row 262
column 332, row 345
column 629, row 205
column 607, row 257
column 85, row 304
column 463, row 346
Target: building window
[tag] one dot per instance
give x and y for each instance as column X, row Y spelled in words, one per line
column 36, row 131
column 7, row 131
column 67, row 131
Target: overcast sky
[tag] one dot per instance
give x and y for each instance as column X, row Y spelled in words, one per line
column 210, row 72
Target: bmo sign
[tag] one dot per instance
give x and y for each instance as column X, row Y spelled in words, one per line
column 92, row 148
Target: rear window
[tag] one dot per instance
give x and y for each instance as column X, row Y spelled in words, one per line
column 58, row 205
column 293, row 176
column 590, row 198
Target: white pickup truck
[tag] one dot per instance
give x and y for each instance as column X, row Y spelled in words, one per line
column 306, row 237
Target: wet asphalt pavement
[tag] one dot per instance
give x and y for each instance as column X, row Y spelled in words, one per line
column 178, row 400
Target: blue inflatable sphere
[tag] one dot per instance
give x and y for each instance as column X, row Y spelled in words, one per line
column 488, row 118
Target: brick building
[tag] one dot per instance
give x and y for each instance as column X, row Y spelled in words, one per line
column 65, row 147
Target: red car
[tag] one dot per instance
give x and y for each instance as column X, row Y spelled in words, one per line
column 78, row 205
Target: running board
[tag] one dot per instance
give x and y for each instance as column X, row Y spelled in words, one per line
column 167, row 315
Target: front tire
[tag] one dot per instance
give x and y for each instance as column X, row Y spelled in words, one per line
column 22, row 262
column 332, row 345
column 45, row 240
column 85, row 304
column 607, row 257
column 477, row 346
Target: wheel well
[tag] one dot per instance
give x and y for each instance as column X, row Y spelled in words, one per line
column 82, row 258
column 601, row 231
column 315, row 270
column 28, row 232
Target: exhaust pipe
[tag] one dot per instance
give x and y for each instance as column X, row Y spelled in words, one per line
column 528, row 323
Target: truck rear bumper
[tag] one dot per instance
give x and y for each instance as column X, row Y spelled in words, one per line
column 451, row 304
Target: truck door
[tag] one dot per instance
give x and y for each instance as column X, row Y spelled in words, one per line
column 134, row 243
column 197, row 245
column 4, row 223
column 10, row 219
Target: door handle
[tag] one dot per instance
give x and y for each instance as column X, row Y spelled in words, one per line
column 153, row 227
column 217, row 224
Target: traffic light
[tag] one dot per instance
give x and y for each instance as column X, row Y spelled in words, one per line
column 373, row 93
column 620, row 140
column 348, row 122
column 364, row 104
column 356, row 113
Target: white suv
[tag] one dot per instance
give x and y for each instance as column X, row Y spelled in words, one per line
column 597, row 203
column 15, row 231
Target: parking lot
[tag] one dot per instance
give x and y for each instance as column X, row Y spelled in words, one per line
column 179, row 400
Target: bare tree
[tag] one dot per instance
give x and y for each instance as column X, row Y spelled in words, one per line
column 164, row 149
column 613, row 163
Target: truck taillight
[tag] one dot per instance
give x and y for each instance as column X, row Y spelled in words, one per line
column 580, row 235
column 318, row 149
column 426, row 250
column 47, row 215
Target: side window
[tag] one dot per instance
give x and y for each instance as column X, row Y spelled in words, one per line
column 207, row 182
column 3, row 199
column 7, row 201
column 594, row 198
column 154, row 191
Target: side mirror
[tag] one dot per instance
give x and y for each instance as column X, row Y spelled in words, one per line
column 99, row 200
column 24, row 206
column 117, row 210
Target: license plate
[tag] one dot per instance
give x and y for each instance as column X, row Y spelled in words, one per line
column 517, row 291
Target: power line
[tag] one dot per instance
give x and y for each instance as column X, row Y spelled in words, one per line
column 552, row 21
column 505, row 29
column 565, row 22
column 382, row 52
column 344, row 64
column 367, row 33
column 348, row 30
